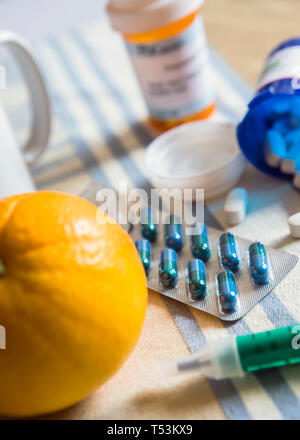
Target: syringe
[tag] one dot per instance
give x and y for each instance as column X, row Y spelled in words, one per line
column 236, row 355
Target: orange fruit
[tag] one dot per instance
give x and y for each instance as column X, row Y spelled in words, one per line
column 72, row 300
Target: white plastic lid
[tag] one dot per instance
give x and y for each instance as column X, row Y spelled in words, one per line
column 200, row 154
column 137, row 16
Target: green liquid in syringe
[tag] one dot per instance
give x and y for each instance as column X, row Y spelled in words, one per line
column 269, row 349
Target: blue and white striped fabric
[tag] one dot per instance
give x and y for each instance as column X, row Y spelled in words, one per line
column 99, row 133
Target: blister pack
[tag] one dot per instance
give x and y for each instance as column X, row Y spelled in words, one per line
column 234, row 276
column 211, row 270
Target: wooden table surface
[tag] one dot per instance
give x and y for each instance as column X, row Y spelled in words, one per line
column 244, row 31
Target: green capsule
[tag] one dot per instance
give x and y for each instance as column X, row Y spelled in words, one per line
column 228, row 252
column 227, row 291
column 200, row 245
column 144, row 250
column 196, row 279
column 258, row 263
column 168, row 269
column 148, row 225
column 173, row 235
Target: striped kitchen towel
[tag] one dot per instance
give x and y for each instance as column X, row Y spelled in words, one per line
column 100, row 132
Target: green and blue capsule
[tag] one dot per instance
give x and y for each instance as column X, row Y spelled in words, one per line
column 173, row 235
column 144, row 249
column 227, row 291
column 168, row 268
column 148, row 225
column 258, row 262
column 228, row 252
column 200, row 245
column 196, row 279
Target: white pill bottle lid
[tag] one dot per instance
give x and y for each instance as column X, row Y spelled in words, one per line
column 196, row 155
column 138, row 16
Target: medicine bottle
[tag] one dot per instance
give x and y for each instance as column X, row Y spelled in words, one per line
column 167, row 45
column 278, row 86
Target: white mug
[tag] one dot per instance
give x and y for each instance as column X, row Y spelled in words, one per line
column 14, row 174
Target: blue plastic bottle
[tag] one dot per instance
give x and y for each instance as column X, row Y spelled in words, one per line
column 277, row 96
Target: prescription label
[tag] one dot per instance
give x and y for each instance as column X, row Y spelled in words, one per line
column 174, row 74
column 281, row 65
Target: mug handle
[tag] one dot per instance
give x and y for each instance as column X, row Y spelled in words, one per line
column 41, row 114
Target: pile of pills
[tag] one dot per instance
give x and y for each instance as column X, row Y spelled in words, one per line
column 282, row 142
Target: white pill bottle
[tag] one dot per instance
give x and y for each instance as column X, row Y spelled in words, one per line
column 167, row 45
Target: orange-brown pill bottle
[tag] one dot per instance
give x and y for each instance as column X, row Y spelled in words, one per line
column 167, row 45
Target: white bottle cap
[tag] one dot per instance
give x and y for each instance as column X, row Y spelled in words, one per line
column 137, row 16
column 199, row 154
